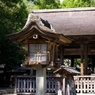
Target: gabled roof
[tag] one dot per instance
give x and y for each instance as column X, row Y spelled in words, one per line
column 66, row 70
column 74, row 21
column 34, row 25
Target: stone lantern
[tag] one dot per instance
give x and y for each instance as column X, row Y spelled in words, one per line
column 40, row 41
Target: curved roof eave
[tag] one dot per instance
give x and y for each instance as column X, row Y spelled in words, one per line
column 35, row 24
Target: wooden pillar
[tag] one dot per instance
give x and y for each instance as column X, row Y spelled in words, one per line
column 93, row 64
column 84, row 58
column 62, row 55
column 72, row 62
column 53, row 54
column 40, row 80
column 56, row 56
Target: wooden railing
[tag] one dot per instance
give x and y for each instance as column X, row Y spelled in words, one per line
column 27, row 84
column 85, row 84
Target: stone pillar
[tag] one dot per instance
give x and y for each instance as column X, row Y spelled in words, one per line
column 40, row 80
column 84, row 58
column 64, row 86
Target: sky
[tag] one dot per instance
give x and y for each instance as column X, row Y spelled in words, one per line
column 61, row 1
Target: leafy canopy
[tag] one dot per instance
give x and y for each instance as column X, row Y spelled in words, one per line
column 46, row 4
column 77, row 3
column 13, row 15
column 54, row 4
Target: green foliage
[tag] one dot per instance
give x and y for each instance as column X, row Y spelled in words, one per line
column 77, row 3
column 13, row 15
column 11, row 53
column 46, row 4
column 29, row 5
column 54, row 4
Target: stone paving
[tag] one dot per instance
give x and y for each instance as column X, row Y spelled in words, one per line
column 6, row 91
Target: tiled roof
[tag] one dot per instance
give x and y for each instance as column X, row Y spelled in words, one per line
column 75, row 21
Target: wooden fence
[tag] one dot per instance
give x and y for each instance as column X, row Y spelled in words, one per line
column 85, row 84
column 27, row 84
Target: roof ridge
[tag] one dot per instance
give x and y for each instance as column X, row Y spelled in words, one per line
column 64, row 10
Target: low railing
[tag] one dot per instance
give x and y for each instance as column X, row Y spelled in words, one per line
column 85, row 84
column 27, row 84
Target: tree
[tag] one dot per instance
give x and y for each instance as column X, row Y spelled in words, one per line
column 13, row 15
column 77, row 3
column 11, row 53
column 54, row 4
column 46, row 4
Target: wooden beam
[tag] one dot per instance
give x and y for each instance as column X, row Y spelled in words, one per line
column 77, row 51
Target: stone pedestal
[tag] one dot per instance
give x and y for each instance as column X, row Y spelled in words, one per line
column 40, row 80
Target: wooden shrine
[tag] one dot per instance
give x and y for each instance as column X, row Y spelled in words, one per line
column 49, row 37
column 77, row 24
column 42, row 45
column 65, row 72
